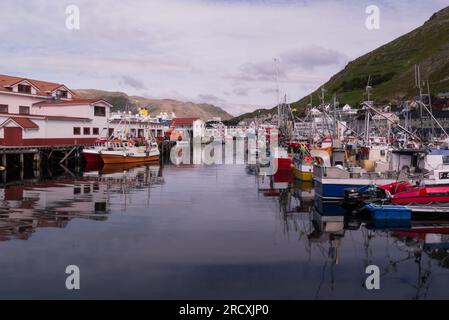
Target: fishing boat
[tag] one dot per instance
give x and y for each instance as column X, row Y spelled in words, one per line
column 401, row 192
column 303, row 169
column 422, row 195
column 380, row 168
column 92, row 154
column 281, row 159
column 131, row 152
column 304, row 162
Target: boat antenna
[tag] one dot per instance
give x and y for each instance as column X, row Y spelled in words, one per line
column 278, row 98
column 429, row 97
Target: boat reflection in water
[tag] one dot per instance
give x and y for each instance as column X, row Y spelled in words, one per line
column 406, row 252
column 208, row 232
column 54, row 203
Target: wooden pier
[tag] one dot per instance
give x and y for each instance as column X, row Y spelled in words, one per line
column 18, row 159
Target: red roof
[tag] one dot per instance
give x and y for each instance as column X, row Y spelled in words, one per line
column 43, row 88
column 60, row 103
column 25, row 123
column 183, row 121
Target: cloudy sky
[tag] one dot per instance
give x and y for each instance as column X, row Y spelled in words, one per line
column 216, row 51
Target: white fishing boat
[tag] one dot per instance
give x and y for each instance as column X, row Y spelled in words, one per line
column 131, row 152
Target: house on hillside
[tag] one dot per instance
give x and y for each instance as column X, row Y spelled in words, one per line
column 40, row 113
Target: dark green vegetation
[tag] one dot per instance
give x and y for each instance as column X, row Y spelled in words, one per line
column 391, row 67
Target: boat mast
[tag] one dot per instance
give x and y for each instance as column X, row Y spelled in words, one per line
column 368, row 114
column 336, row 133
column 278, row 98
column 431, row 110
column 418, row 85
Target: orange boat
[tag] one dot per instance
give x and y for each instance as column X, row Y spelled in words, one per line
column 131, row 154
column 128, row 158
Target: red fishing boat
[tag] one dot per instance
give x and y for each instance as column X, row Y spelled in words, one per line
column 396, row 187
column 282, row 161
column 422, row 195
column 92, row 154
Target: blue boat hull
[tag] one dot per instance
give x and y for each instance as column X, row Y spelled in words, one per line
column 334, row 191
column 389, row 212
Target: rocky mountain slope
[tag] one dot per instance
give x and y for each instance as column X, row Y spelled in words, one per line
column 182, row 109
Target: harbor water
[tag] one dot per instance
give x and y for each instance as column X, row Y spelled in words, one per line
column 204, row 232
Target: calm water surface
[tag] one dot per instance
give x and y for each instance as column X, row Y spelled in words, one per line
column 204, row 232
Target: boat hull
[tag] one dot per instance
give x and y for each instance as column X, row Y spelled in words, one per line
column 389, row 212
column 334, row 189
column 283, row 163
column 424, row 195
column 302, row 175
column 92, row 157
column 117, row 159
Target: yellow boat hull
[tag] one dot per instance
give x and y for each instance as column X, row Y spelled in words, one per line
column 303, row 176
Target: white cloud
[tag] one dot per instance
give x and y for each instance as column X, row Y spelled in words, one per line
column 194, row 48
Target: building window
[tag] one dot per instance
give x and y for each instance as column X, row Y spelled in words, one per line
column 3, row 108
column 23, row 88
column 86, row 131
column 99, row 111
column 77, row 131
column 24, row 110
column 95, row 131
column 62, row 94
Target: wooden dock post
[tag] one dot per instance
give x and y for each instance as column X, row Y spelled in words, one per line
column 22, row 161
column 37, row 164
column 4, row 163
column 37, row 161
column 4, row 160
column 22, row 165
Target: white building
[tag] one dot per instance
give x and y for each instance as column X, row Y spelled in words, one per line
column 38, row 113
column 187, row 128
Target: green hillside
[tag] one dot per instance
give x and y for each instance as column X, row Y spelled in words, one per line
column 392, row 66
